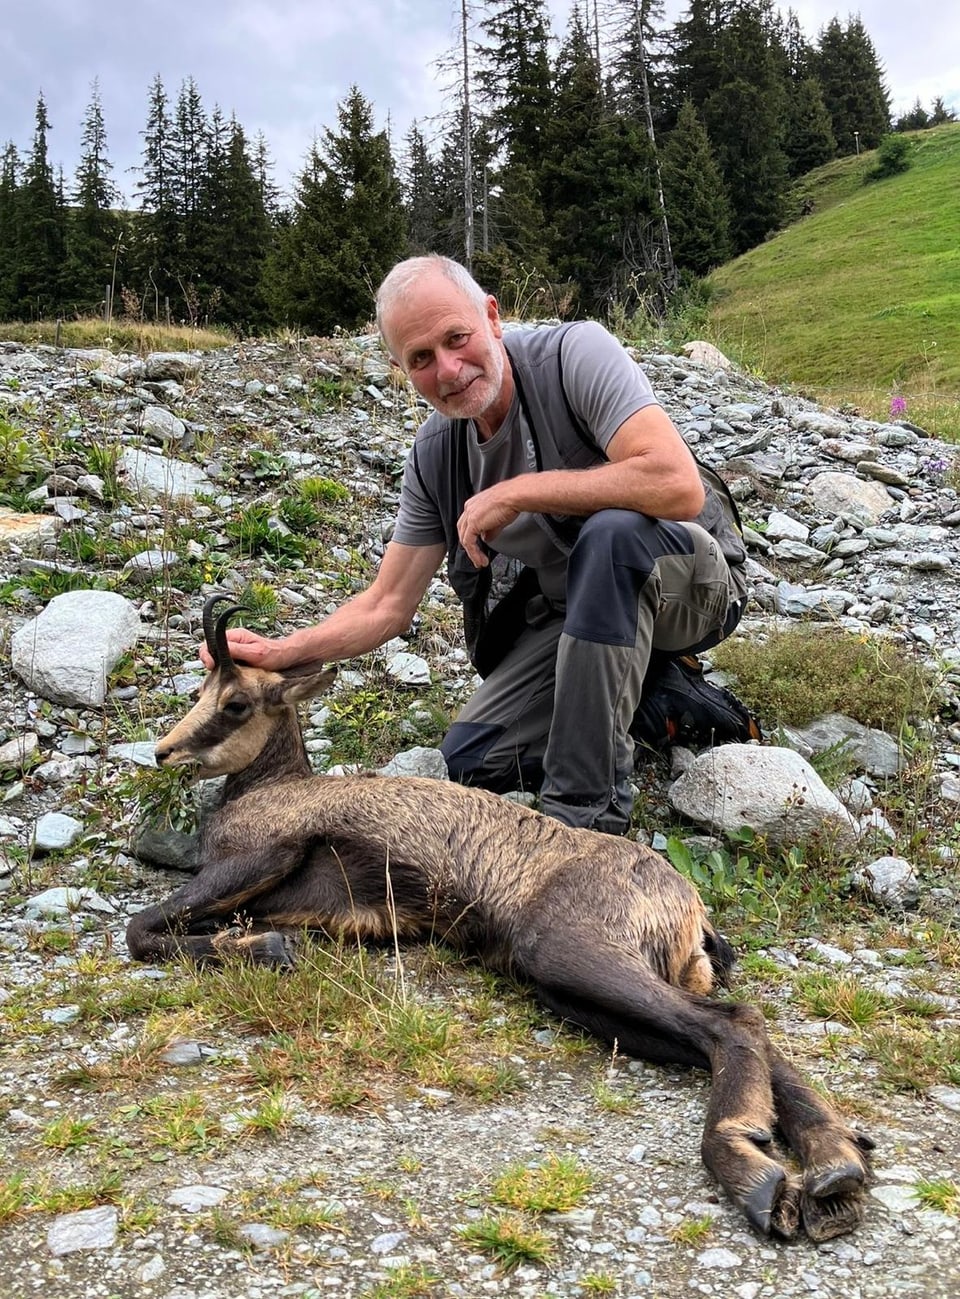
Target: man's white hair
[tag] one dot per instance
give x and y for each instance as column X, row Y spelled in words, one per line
column 405, row 276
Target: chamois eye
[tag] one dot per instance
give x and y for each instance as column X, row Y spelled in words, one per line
column 236, row 707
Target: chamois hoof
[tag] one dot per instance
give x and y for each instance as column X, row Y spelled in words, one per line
column 785, row 1215
column 762, row 1202
column 832, row 1200
column 831, row 1216
column 272, row 948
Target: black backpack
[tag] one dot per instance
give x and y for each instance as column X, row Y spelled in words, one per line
column 679, row 707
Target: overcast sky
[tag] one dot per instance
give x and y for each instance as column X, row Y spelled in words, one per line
column 282, row 66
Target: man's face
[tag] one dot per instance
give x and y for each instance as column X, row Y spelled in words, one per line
column 449, row 347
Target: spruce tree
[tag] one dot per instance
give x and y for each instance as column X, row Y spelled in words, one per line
column 513, row 77
column 514, row 86
column 236, row 232
column 158, row 236
column 697, row 202
column 599, row 188
column 192, row 134
column 744, row 118
column 419, row 189
column 93, row 228
column 808, row 139
column 40, row 237
column 852, row 83
column 695, row 41
column 346, row 228
column 9, row 212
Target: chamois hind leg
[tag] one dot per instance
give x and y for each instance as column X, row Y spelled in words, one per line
column 611, row 993
column 835, row 1160
column 196, row 921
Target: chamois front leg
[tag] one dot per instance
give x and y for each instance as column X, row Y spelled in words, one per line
column 835, row 1159
column 188, row 923
column 614, row 995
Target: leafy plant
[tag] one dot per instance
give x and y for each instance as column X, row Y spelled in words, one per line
column 324, row 490
column 19, row 459
column 256, row 531
column 300, row 514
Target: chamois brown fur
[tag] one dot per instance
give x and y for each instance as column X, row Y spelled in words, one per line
column 610, row 936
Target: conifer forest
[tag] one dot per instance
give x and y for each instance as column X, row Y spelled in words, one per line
column 590, row 171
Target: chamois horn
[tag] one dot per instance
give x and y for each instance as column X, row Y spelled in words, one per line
column 215, row 629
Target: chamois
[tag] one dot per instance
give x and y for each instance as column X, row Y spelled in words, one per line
column 609, row 935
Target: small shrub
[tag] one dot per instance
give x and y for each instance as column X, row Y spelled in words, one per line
column 795, row 675
column 893, row 157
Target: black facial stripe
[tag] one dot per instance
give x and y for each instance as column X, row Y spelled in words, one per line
column 219, row 728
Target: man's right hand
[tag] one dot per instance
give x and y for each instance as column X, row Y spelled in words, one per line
column 249, row 648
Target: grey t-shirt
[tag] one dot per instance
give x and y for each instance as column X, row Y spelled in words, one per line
column 604, row 388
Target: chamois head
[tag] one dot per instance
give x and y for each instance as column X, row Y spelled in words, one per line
column 240, row 708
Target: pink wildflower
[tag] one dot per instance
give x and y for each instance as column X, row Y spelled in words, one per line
column 898, row 406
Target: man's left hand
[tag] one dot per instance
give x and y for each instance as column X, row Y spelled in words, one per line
column 484, row 517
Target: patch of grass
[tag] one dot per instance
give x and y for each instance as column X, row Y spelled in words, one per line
column 323, row 491
column 508, row 1239
column 911, row 1058
column 598, row 1283
column 341, row 1027
column 557, row 1185
column 187, row 1124
column 116, row 335
column 940, row 1193
column 272, row 1117
column 795, row 674
column 404, row 1282
column 691, row 1231
column 14, row 1197
column 844, row 999
column 614, row 1100
column 68, row 1134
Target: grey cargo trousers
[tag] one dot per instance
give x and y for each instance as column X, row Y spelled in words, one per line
column 555, row 714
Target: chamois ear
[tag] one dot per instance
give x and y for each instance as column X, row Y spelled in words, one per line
column 302, row 682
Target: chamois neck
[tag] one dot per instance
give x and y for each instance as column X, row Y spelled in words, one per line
column 284, row 755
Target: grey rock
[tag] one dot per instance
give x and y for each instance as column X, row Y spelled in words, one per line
column 67, row 651
column 417, row 762
column 63, row 901
column 171, row 365
column 771, row 790
column 192, row 1199
column 87, row 1229
column 891, row 881
column 153, row 475
column 836, row 493
column 160, row 425
column 18, row 751
column 55, row 831
column 409, row 669
column 166, row 847
column 875, row 752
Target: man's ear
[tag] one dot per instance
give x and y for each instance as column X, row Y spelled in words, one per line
column 493, row 316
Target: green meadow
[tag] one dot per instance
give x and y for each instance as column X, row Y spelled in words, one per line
column 858, row 300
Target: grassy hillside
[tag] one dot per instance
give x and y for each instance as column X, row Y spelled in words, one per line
column 859, row 300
